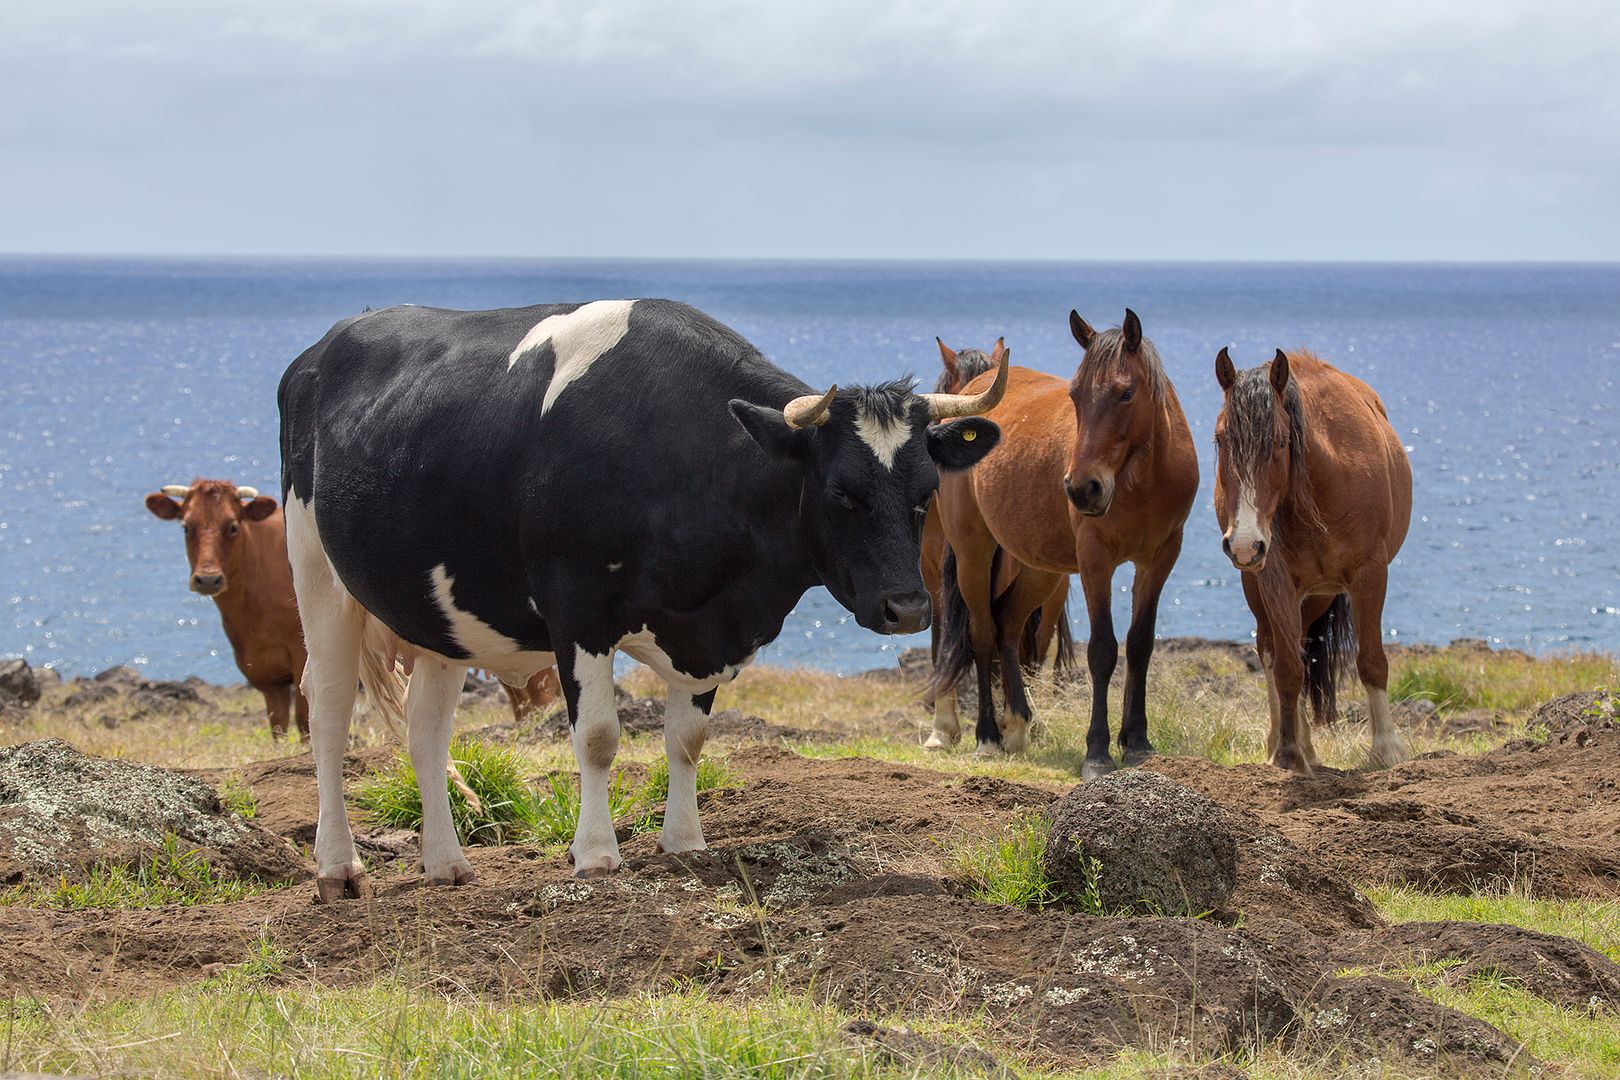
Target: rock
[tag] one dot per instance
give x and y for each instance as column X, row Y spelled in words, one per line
column 159, row 696
column 119, row 676
column 17, row 680
column 48, row 677
column 1159, row 848
column 62, row 812
column 1369, row 1016
column 89, row 693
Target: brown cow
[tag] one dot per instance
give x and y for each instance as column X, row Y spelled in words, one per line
column 237, row 546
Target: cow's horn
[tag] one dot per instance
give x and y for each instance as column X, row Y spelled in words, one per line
column 247, row 493
column 945, row 406
column 811, row 410
column 175, row 491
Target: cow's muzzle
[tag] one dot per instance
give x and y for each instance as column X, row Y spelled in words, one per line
column 208, row 584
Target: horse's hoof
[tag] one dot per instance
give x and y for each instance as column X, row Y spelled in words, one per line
column 937, row 741
column 1136, row 756
column 1096, row 768
column 989, row 750
column 1291, row 760
column 452, row 875
column 1015, row 738
column 331, row 889
column 1392, row 752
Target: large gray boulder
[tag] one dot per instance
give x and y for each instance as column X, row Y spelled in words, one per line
column 1159, row 848
column 62, row 812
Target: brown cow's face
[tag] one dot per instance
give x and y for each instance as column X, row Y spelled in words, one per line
column 213, row 517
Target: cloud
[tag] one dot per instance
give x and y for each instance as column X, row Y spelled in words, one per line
column 745, row 117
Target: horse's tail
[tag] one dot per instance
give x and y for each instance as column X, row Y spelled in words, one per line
column 1064, row 662
column 955, row 637
column 1330, row 650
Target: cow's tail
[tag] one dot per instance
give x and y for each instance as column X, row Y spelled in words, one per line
column 1330, row 650
column 385, row 691
column 955, row 639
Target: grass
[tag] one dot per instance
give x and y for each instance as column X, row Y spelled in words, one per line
column 511, row 811
column 238, row 798
column 1011, row 868
column 1595, row 921
column 174, row 876
column 393, row 1030
column 1509, row 682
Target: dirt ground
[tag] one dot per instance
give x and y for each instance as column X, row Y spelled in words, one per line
column 834, row 876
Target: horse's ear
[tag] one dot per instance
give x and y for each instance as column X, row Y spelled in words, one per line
column 1000, row 352
column 1132, row 330
column 1082, row 331
column 1279, row 371
column 1225, row 372
column 948, row 356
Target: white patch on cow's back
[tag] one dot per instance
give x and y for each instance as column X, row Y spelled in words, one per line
column 578, row 339
column 486, row 647
column 884, row 438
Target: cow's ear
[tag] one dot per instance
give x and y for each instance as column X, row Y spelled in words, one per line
column 769, row 428
column 259, row 508
column 162, row 506
column 962, row 444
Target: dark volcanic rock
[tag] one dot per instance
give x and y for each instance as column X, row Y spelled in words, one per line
column 1160, row 848
column 119, row 676
column 159, row 696
column 1355, row 1018
column 17, row 681
column 88, row 693
column 61, row 812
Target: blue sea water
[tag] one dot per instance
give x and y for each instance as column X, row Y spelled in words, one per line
column 119, row 375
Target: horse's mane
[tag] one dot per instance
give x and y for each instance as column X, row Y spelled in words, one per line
column 970, row 364
column 1251, row 433
column 1107, row 354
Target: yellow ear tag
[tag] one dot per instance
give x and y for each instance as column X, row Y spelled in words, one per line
column 969, row 435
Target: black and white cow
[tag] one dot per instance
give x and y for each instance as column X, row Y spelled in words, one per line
column 503, row 489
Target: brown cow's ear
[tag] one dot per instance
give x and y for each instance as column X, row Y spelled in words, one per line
column 162, row 506
column 1082, row 331
column 1225, row 371
column 947, row 356
column 259, row 508
column 1132, row 329
column 1279, row 371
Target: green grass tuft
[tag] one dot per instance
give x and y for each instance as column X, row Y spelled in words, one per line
column 238, row 798
column 511, row 811
column 173, row 876
column 1010, row 868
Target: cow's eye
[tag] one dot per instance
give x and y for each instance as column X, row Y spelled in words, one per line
column 841, row 497
column 232, row 529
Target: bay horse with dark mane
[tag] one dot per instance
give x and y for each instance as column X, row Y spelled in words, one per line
column 1047, row 639
column 1314, row 494
column 1090, row 474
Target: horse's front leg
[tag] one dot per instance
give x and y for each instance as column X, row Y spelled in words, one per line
column 1102, row 654
column 1146, row 587
column 1367, row 613
column 1286, row 670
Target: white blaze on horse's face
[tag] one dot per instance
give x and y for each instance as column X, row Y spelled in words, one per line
column 1246, row 540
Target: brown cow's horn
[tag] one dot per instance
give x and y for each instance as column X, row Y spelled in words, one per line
column 247, row 493
column 175, row 491
column 945, row 406
column 811, row 410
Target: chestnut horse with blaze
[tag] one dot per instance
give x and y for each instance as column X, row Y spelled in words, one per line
column 1090, row 474
column 1314, row 494
column 1046, row 637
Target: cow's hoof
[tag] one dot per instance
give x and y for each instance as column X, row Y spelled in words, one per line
column 349, row 884
column 600, row 868
column 680, row 847
column 1096, row 767
column 457, row 873
column 1136, row 756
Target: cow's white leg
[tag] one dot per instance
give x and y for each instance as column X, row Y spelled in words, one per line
column 1388, row 745
column 430, row 709
column 333, row 622
column 686, row 724
column 947, row 725
column 596, row 742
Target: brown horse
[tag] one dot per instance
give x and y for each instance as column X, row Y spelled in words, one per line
column 1314, row 494
column 1047, row 638
column 1090, row 474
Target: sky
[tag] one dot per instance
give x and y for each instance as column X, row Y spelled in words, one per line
column 1050, row 129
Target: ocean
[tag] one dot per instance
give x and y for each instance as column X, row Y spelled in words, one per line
column 118, row 375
